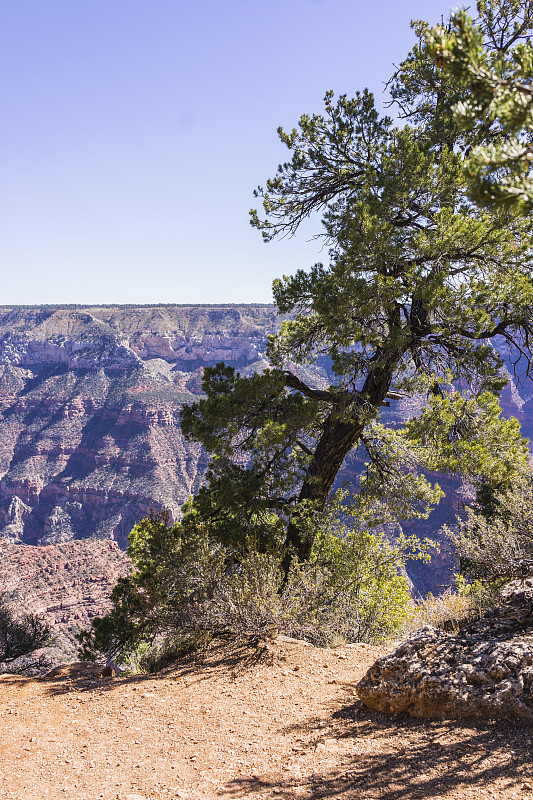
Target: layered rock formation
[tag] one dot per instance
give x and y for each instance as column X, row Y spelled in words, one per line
column 89, row 412
column 67, row 584
column 485, row 671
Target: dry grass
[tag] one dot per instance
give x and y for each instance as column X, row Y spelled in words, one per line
column 449, row 611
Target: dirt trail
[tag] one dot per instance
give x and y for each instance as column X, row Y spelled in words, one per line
column 242, row 722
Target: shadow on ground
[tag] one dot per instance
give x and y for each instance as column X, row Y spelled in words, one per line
column 225, row 657
column 397, row 757
column 351, row 753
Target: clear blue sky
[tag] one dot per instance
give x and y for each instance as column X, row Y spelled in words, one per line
column 134, row 131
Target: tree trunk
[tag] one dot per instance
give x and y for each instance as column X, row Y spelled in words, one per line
column 338, row 438
column 335, row 443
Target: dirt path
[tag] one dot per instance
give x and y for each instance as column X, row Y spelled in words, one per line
column 242, row 723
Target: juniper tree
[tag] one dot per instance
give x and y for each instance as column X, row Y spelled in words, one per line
column 418, row 285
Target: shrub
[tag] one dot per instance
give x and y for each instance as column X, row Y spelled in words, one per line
column 186, row 588
column 453, row 609
column 496, row 546
column 148, row 657
column 20, row 635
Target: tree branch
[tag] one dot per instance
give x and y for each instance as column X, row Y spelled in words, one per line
column 303, row 447
column 292, row 382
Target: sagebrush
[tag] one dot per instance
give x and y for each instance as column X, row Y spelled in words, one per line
column 187, row 587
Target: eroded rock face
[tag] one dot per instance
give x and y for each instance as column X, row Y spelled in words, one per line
column 90, row 399
column 68, row 584
column 485, row 671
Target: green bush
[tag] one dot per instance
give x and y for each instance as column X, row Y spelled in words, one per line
column 494, row 540
column 187, row 587
column 148, row 657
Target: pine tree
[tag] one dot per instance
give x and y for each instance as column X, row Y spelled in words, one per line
column 418, row 286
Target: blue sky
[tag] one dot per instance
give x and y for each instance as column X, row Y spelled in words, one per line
column 134, row 131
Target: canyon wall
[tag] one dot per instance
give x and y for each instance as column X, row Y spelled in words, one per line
column 66, row 584
column 89, row 412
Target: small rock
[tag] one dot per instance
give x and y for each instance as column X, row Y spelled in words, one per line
column 77, row 669
column 327, row 744
column 331, row 742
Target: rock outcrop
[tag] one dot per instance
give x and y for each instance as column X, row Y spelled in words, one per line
column 485, row 671
column 67, row 584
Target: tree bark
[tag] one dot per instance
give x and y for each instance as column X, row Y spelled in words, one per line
column 337, row 439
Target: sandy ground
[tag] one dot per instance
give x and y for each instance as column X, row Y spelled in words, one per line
column 280, row 721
